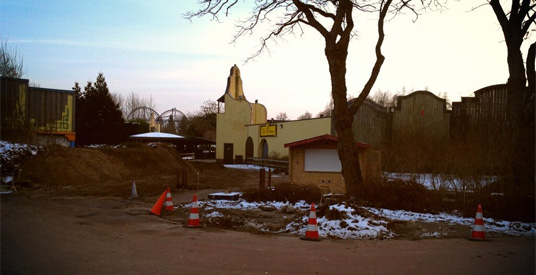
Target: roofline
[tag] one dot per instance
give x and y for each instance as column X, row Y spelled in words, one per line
column 321, row 138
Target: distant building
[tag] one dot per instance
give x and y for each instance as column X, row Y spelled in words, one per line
column 242, row 129
column 36, row 115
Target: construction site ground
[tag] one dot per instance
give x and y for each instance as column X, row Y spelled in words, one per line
column 71, row 214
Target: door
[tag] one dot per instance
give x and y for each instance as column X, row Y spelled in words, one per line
column 264, row 148
column 249, row 148
column 228, row 153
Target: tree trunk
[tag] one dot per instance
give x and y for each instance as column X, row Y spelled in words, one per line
column 347, row 147
column 531, row 71
column 520, row 122
column 516, row 84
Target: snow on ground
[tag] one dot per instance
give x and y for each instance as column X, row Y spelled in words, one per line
column 11, row 155
column 355, row 226
column 506, row 227
column 250, row 167
column 442, row 181
column 245, row 166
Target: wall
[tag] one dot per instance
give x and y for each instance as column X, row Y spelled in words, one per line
column 420, row 115
column 484, row 112
column 287, row 131
column 49, row 113
column 371, row 124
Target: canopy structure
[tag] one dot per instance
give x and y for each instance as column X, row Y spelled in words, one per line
column 157, row 135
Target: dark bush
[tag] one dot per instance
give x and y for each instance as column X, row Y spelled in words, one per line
column 403, row 195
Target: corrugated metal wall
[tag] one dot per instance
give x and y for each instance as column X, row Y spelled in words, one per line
column 40, row 110
column 12, row 102
column 51, row 110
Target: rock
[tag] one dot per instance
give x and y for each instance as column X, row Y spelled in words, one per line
column 288, row 209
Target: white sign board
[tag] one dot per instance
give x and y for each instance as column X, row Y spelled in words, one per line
column 322, row 160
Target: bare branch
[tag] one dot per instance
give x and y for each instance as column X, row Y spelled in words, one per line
column 288, row 16
column 499, row 13
column 379, row 60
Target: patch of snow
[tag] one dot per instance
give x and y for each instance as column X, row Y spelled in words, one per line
column 513, row 228
column 11, row 156
column 214, row 214
column 355, row 226
column 439, row 181
column 96, row 146
column 431, row 235
column 223, row 194
column 246, row 167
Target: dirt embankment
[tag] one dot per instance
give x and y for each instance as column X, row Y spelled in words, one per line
column 110, row 172
column 64, row 166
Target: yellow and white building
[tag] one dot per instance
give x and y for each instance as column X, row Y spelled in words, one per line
column 243, row 130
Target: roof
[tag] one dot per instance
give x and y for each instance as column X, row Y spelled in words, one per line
column 156, row 135
column 327, row 138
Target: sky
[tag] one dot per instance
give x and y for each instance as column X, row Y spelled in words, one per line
column 148, row 48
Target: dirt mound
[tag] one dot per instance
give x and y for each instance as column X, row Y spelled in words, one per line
column 110, row 172
column 99, row 171
column 63, row 166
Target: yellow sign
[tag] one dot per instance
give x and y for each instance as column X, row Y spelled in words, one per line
column 269, row 130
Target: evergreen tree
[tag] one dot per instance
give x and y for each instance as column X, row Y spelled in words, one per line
column 99, row 118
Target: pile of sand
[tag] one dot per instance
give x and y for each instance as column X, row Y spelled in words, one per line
column 79, row 166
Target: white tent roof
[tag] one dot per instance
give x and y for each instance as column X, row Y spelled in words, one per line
column 156, row 135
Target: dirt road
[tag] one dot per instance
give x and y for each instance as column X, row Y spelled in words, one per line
column 92, row 235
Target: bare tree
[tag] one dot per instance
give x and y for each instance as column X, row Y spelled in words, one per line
column 209, row 107
column 282, row 116
column 120, row 101
column 327, row 110
column 306, row 115
column 131, row 102
column 334, row 21
column 384, row 98
column 11, row 65
column 445, row 96
column 515, row 25
column 134, row 101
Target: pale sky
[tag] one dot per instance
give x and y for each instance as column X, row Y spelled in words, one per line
column 147, row 47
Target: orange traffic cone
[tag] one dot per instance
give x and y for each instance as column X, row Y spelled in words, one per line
column 169, row 201
column 193, row 220
column 157, row 208
column 478, row 233
column 312, row 229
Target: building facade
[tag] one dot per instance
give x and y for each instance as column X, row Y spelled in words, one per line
column 243, row 131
